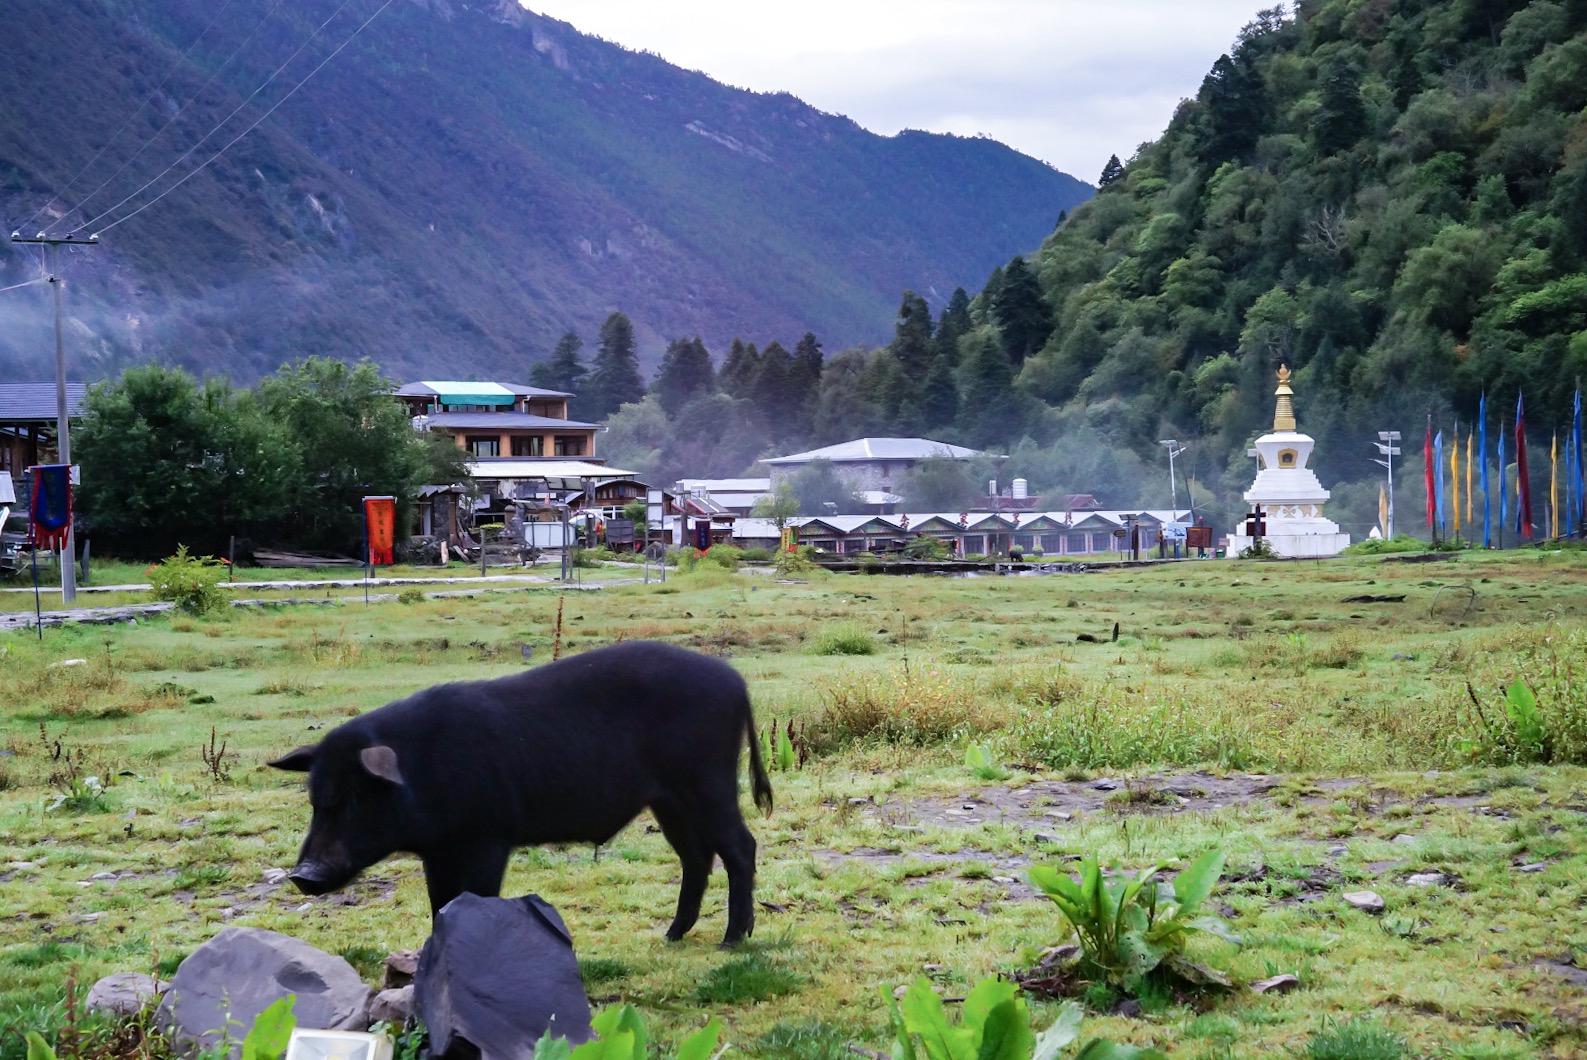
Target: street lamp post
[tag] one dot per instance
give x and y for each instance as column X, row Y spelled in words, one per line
column 1386, row 446
column 1174, row 449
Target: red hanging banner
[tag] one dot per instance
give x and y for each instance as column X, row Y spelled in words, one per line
column 380, row 530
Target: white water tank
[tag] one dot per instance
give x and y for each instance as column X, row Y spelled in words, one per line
column 1021, row 489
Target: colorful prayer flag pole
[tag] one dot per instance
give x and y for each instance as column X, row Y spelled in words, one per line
column 1504, row 491
column 1523, row 485
column 1469, row 521
column 1438, row 481
column 1454, row 482
column 1553, row 487
column 1482, row 446
column 1427, row 475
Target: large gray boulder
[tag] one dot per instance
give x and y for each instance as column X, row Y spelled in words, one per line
column 496, row 976
column 221, row 988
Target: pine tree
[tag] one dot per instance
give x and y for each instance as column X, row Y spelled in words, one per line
column 951, row 326
column 804, row 386
column 1021, row 312
column 614, row 379
column 1110, row 173
column 984, row 381
column 770, row 389
column 1233, row 99
column 739, row 370
column 685, row 373
column 563, row 370
column 1342, row 118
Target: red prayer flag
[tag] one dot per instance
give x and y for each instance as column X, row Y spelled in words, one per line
column 380, row 530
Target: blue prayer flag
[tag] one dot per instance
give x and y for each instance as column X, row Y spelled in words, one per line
column 1482, row 455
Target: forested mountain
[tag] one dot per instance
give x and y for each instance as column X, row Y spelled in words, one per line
column 454, row 189
column 1390, row 196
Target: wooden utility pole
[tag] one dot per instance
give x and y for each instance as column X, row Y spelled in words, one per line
column 63, row 434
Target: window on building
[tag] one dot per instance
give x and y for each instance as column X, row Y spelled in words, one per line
column 569, row 445
column 1101, row 542
column 480, row 446
column 534, row 445
column 1051, row 543
column 1076, row 544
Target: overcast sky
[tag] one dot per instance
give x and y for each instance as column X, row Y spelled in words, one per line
column 1067, row 81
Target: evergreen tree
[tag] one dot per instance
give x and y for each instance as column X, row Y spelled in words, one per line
column 739, row 370
column 984, row 381
column 804, row 385
column 614, row 379
column 1234, row 106
column 940, row 397
column 685, row 373
column 563, row 370
column 1342, row 118
column 953, row 325
column 1110, row 172
column 1021, row 312
column 771, row 389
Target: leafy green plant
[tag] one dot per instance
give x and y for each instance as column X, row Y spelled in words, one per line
column 1259, row 548
column 996, row 1026
column 620, row 1035
column 1517, row 733
column 190, row 582
column 978, row 760
column 271, row 1031
column 80, row 795
column 1130, row 928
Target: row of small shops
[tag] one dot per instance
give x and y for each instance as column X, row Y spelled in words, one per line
column 984, row 533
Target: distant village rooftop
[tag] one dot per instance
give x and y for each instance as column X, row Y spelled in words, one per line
column 864, row 450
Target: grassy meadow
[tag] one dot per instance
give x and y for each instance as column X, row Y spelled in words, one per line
column 1325, row 746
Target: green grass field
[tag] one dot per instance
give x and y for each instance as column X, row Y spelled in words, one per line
column 1326, row 746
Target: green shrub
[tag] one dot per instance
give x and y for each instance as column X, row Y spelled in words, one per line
column 1542, row 714
column 845, row 638
column 757, row 555
column 926, row 548
column 751, row 978
column 791, row 563
column 190, row 582
column 411, row 596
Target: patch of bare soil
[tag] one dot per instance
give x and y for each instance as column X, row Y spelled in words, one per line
column 1046, row 802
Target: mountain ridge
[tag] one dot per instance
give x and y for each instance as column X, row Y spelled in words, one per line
column 465, row 182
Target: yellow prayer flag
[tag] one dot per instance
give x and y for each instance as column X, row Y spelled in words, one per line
column 1383, row 513
column 1553, row 487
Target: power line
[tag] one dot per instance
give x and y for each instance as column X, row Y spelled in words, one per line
column 89, row 224
column 28, row 283
column 173, row 119
column 125, row 122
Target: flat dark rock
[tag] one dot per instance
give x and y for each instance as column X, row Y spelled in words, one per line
column 496, row 976
column 1368, row 598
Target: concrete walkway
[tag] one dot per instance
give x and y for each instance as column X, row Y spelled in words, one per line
column 14, row 620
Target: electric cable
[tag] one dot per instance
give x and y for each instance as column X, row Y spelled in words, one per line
column 173, row 119
column 186, row 154
column 128, row 120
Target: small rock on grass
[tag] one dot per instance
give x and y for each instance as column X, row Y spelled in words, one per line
column 1367, row 901
column 1278, row 984
column 1536, row 866
column 1427, row 879
column 124, row 993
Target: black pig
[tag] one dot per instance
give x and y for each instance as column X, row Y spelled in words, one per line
column 570, row 752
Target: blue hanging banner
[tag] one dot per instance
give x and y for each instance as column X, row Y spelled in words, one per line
column 50, row 505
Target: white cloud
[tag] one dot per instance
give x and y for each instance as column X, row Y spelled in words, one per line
column 1067, row 81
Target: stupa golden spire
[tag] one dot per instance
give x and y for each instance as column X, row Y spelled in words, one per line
column 1284, row 414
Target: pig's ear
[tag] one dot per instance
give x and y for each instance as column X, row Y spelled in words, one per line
column 381, row 761
column 297, row 761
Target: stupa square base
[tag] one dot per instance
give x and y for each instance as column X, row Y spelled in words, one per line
column 1295, row 546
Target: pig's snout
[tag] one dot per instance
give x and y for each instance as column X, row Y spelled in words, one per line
column 311, row 878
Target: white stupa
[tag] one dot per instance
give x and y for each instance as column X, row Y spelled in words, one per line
column 1287, row 492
